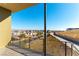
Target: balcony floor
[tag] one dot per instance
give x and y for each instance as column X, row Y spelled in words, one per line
column 8, row 52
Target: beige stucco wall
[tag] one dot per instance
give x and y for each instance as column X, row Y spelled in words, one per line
column 5, row 32
column 5, row 28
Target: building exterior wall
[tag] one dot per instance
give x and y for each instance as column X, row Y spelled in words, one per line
column 5, row 27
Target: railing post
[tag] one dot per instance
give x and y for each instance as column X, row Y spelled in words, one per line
column 71, row 49
column 44, row 41
column 29, row 42
column 65, row 48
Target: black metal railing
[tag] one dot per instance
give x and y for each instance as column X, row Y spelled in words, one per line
column 72, row 42
column 69, row 48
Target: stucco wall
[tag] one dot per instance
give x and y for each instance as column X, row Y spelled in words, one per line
column 5, row 27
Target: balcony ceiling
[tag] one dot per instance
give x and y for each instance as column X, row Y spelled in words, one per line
column 14, row 7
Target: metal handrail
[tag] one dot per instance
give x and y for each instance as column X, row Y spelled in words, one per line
column 72, row 47
column 76, row 49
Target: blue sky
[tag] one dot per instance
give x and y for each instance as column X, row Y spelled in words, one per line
column 62, row 16
column 29, row 18
column 59, row 17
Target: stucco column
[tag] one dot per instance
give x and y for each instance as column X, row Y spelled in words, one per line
column 5, row 26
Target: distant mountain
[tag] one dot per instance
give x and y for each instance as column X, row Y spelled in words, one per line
column 73, row 29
